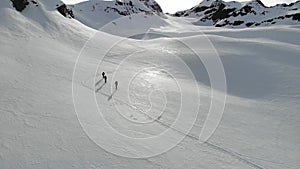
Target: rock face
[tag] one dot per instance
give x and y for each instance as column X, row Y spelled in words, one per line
column 20, row 5
column 248, row 14
column 63, row 9
column 151, row 4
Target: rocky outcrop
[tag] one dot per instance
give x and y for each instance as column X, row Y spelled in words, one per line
column 63, row 9
column 152, row 5
column 20, row 5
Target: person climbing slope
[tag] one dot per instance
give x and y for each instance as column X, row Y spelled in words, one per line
column 105, row 78
column 116, row 84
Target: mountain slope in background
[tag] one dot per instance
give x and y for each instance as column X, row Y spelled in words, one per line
column 96, row 13
column 247, row 14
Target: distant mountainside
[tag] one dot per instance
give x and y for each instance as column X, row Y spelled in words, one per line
column 248, row 14
column 96, row 13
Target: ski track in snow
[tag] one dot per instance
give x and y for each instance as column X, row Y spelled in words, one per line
column 233, row 154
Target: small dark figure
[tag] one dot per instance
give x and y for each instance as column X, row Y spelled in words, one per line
column 116, row 84
column 105, row 79
column 103, row 74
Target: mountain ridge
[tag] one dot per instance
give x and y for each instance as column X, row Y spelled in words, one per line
column 97, row 13
column 246, row 14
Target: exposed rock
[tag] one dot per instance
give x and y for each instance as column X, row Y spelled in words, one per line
column 221, row 13
column 262, row 4
column 151, row 4
column 249, row 24
column 20, row 5
column 236, row 23
column 294, row 16
column 63, row 9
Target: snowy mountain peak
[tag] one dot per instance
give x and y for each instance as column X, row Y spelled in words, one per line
column 97, row 13
column 247, row 14
column 210, row 2
column 152, row 4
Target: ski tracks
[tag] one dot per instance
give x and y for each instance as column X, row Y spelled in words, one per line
column 231, row 153
column 216, row 147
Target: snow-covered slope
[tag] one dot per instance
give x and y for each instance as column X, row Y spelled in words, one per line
column 97, row 13
column 248, row 14
column 39, row 18
column 39, row 127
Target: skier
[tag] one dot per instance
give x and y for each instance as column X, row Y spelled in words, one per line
column 116, row 84
column 105, row 78
column 103, row 74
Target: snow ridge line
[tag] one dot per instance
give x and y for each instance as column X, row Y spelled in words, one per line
column 211, row 145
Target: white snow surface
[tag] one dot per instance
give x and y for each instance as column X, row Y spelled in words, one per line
column 39, row 127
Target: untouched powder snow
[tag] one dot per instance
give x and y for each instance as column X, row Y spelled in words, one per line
column 43, row 126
